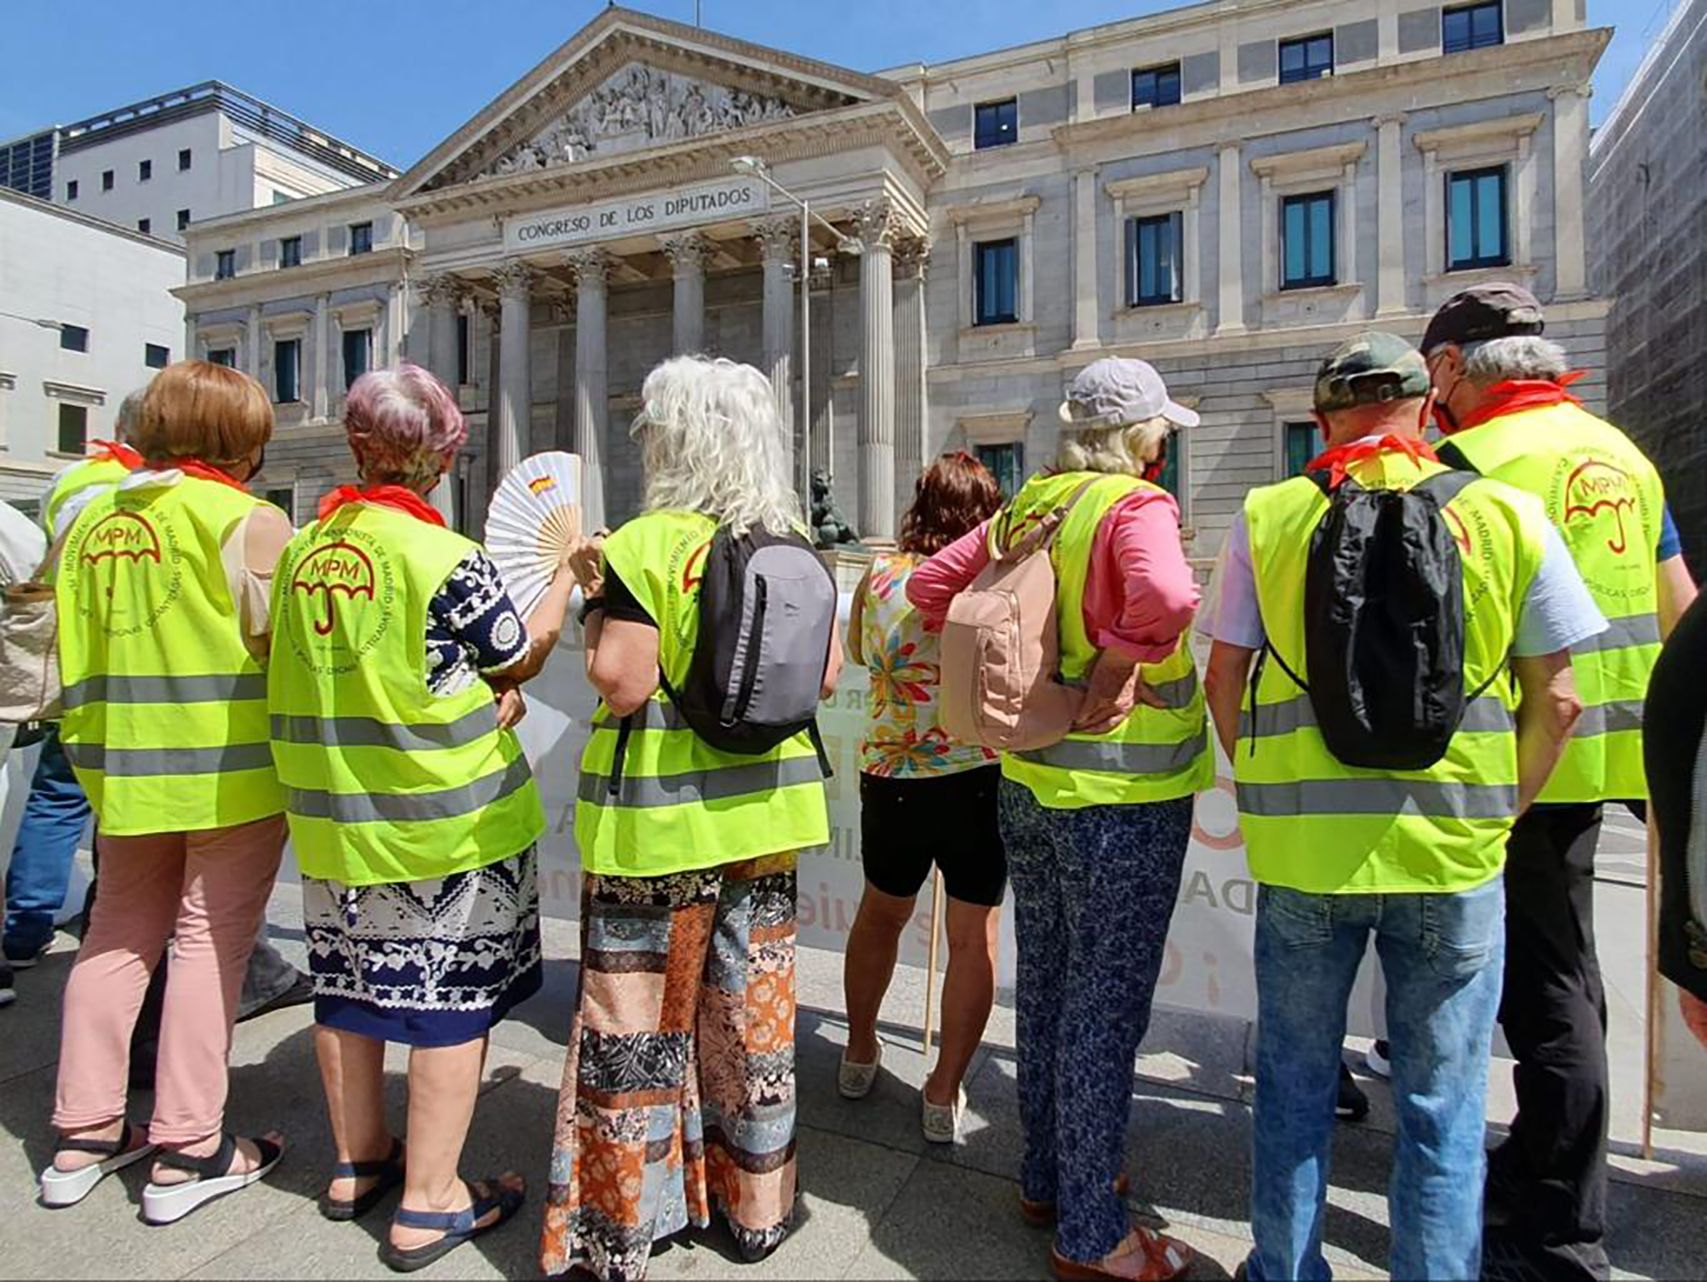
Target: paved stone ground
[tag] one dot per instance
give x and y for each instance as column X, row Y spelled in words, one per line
column 878, row 1202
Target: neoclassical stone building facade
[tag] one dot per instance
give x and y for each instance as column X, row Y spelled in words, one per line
column 1226, row 190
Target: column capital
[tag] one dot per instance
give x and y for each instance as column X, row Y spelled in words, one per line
column 876, row 224
column 514, row 279
column 446, row 287
column 687, row 252
column 1579, row 90
column 1390, row 118
column 912, row 256
column 589, row 266
column 779, row 238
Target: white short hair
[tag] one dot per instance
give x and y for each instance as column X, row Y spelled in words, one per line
column 1494, row 360
column 711, row 441
column 1127, row 449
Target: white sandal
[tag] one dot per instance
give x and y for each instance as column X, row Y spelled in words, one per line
column 941, row 1122
column 854, row 1081
column 68, row 1188
column 168, row 1203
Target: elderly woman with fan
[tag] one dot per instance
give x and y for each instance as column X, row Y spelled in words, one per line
column 396, row 656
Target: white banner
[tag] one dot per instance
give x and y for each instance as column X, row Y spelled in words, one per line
column 633, row 215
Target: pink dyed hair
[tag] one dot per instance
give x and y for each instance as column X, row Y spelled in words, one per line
column 403, row 425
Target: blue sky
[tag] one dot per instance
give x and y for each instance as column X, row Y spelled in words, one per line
column 394, row 79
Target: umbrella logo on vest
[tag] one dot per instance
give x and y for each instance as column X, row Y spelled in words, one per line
column 1595, row 489
column 120, row 536
column 127, row 570
column 693, row 573
column 329, row 571
column 1460, row 533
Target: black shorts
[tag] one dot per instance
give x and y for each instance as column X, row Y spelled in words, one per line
column 950, row 820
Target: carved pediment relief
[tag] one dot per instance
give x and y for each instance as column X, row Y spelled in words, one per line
column 640, row 106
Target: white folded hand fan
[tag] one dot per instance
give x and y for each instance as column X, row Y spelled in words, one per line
column 533, row 519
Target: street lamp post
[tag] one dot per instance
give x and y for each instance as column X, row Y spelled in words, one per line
column 755, row 167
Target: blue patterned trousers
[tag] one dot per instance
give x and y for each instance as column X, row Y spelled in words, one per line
column 1094, row 890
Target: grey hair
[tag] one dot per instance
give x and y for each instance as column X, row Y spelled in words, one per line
column 711, row 441
column 1127, row 449
column 1494, row 360
column 129, row 411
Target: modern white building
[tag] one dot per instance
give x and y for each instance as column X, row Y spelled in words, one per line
column 86, row 316
column 1227, row 189
column 161, row 164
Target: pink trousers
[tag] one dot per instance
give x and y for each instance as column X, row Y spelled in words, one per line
column 205, row 891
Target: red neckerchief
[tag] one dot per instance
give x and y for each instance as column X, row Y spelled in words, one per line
column 399, row 497
column 1521, row 394
column 207, row 472
column 1336, row 460
column 115, row 452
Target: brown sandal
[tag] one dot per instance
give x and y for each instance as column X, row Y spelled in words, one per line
column 1041, row 1215
column 1152, row 1257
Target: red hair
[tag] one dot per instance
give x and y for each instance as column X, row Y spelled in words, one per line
column 951, row 497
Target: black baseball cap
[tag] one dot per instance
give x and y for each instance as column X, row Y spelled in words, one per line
column 1497, row 310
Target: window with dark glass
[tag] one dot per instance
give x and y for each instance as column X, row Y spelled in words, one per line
column 156, row 355
column 1307, row 240
column 71, row 190
column 183, row 158
column 1306, row 58
column 290, row 251
column 996, row 287
column 1006, row 462
column 144, row 170
column 358, row 354
column 73, row 428
column 287, row 361
column 461, row 349
column 1156, row 86
column 1475, row 26
column 1168, row 477
column 361, row 238
column 1303, row 443
column 282, row 497
column 1476, row 219
column 225, row 264
column 183, row 219
column 74, row 338
column 106, row 180
column 144, row 225
column 995, row 124
column 226, row 356
column 1153, row 260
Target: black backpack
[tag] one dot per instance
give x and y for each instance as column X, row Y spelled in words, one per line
column 767, row 614
column 1384, row 624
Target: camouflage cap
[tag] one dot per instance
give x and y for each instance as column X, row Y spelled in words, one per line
column 1368, row 369
column 1497, row 310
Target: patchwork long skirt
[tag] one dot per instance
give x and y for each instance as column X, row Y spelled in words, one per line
column 678, row 1090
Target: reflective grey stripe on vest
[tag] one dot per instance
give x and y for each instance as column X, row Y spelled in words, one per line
column 1484, row 713
column 1179, row 692
column 117, row 689
column 641, row 792
column 447, row 803
column 1379, row 797
column 1112, row 757
column 1606, row 718
column 370, row 732
column 142, row 763
column 651, row 715
column 1638, row 629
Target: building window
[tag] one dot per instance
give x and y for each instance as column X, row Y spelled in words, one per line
column 144, row 170
column 1475, row 26
column 1168, row 477
column 996, row 293
column 1307, row 240
column 995, row 124
column 183, row 219
column 462, row 349
column 183, row 159
column 74, row 338
column 1156, row 86
column 226, row 356
column 71, row 190
column 282, row 497
column 1153, row 260
column 1303, row 443
column 287, row 361
column 1006, row 462
column 1306, row 58
column 144, row 225
column 290, row 251
column 361, row 238
column 106, row 180
column 1476, row 219
column 279, row 198
column 358, row 354
column 225, row 264
column 73, row 428
column 156, row 356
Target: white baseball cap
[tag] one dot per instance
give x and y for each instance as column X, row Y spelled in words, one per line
column 1117, row 390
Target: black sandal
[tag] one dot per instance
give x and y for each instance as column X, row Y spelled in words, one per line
column 387, row 1170
column 457, row 1226
column 67, row 1188
column 167, row 1203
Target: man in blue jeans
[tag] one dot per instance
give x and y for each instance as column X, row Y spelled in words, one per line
column 1409, row 856
column 39, row 874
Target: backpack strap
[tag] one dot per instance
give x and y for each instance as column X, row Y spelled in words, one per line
column 1454, row 457
column 1443, row 487
column 817, row 738
column 1043, row 535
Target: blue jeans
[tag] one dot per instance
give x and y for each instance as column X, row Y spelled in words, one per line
column 1442, row 956
column 40, row 872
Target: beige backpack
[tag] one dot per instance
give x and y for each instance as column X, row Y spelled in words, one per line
column 1000, row 650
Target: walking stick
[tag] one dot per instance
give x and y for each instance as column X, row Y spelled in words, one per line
column 930, row 961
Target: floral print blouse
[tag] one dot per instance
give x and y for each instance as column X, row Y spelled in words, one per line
column 902, row 738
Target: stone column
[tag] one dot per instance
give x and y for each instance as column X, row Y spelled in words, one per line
column 687, row 254
column 1232, row 317
column 441, row 295
column 322, row 395
column 492, row 313
column 779, row 246
column 591, row 269
column 515, row 374
column 1389, row 218
column 252, row 336
column 1570, row 147
column 190, row 353
column 912, row 254
column 563, row 415
column 1086, row 296
column 875, row 227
